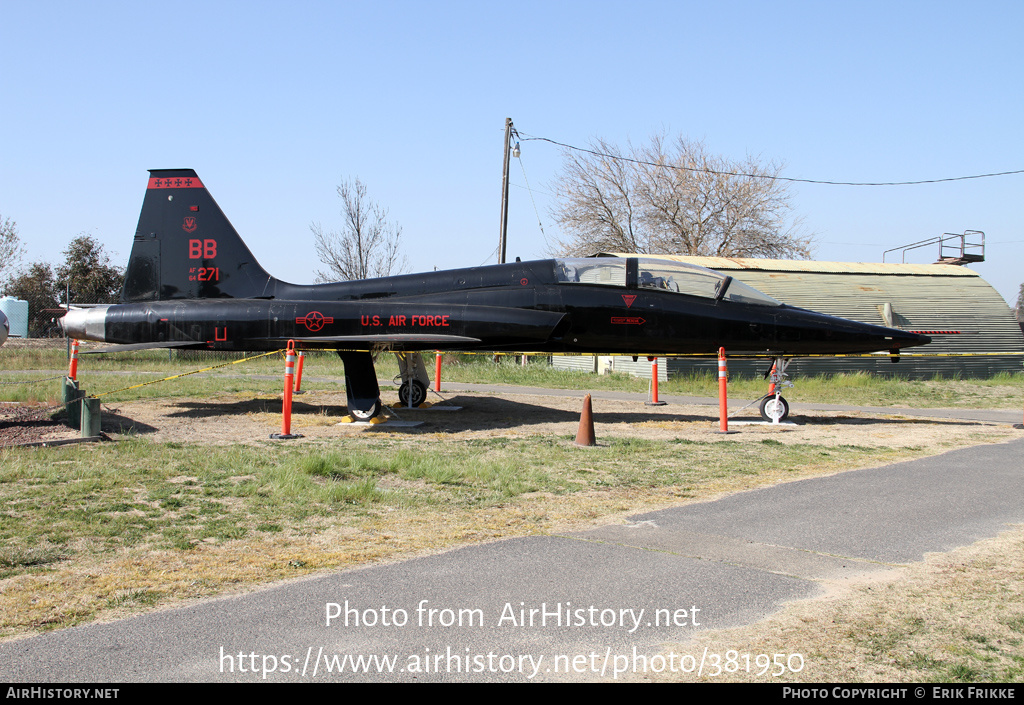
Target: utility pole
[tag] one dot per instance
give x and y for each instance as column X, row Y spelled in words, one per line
column 513, row 152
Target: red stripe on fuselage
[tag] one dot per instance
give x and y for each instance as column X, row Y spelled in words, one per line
column 176, row 182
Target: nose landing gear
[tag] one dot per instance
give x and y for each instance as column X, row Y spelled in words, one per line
column 774, row 407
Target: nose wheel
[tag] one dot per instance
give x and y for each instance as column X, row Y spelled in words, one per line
column 774, row 409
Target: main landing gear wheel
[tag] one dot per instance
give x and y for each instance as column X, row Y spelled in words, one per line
column 774, row 409
column 367, row 414
column 419, row 392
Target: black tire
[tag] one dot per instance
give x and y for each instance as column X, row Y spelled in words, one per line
column 365, row 414
column 419, row 393
column 769, row 410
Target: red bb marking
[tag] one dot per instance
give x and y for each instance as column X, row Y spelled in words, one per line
column 202, row 249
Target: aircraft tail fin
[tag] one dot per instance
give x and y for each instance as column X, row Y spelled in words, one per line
column 186, row 248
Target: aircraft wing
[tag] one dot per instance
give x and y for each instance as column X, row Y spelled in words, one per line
column 425, row 339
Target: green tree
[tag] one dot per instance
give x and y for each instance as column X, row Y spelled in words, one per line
column 38, row 286
column 11, row 250
column 88, row 273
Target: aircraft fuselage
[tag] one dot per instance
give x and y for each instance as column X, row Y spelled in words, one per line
column 521, row 306
column 192, row 282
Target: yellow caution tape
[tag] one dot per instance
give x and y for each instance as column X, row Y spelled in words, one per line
column 186, row 374
column 768, row 356
column 638, row 355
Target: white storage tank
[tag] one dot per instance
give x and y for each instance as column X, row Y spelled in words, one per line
column 16, row 311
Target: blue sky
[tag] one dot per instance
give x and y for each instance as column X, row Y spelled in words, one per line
column 274, row 104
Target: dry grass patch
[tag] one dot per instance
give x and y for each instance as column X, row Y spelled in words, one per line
column 955, row 617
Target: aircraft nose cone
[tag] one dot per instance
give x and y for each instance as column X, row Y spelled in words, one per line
column 909, row 339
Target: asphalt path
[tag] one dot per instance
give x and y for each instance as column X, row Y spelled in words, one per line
column 577, row 606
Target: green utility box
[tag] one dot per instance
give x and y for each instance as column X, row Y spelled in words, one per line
column 91, row 417
column 72, row 396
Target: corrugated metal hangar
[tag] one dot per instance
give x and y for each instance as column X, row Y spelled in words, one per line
column 968, row 315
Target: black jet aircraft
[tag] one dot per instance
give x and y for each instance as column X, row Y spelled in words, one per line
column 192, row 282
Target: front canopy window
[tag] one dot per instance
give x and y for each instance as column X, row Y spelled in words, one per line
column 663, row 275
column 592, row 270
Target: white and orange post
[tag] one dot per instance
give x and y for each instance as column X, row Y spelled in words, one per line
column 723, row 394
column 289, row 378
column 298, row 374
column 653, row 401
column 437, row 371
column 73, row 364
column 286, row 407
column 70, row 393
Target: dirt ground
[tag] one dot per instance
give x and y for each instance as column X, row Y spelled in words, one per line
column 24, row 424
column 318, row 417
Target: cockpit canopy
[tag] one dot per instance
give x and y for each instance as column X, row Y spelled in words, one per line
column 664, row 275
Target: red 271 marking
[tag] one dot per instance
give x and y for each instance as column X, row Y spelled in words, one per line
column 209, row 274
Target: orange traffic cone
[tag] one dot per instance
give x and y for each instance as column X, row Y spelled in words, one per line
column 585, row 434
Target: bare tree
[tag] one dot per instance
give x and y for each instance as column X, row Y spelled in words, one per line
column 367, row 246
column 599, row 204
column 678, row 199
column 11, row 250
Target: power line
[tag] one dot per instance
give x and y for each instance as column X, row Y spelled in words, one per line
column 533, row 189
column 539, row 223
column 766, row 176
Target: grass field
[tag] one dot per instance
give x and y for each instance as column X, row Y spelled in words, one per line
column 138, row 503
column 96, row 531
column 1001, row 391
